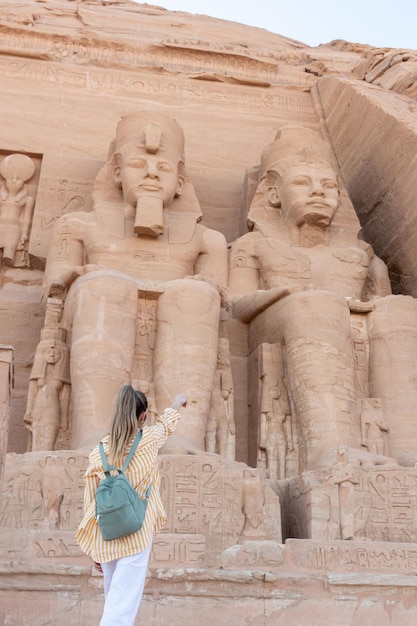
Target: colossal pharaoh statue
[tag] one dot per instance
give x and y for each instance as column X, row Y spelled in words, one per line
column 324, row 299
column 142, row 281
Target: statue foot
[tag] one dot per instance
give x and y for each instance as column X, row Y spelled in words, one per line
column 181, row 445
column 8, row 261
column 327, row 457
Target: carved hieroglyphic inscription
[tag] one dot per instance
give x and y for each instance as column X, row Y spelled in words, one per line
column 173, row 55
column 278, row 97
column 337, row 556
column 65, row 186
column 23, row 544
column 379, row 503
column 169, row 550
column 33, row 494
column 202, row 497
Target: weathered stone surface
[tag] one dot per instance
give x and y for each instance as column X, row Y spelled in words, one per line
column 6, row 386
column 291, row 488
column 362, row 121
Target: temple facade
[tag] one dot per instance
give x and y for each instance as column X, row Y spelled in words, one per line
column 193, row 204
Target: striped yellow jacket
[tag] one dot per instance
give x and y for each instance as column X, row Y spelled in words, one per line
column 141, row 471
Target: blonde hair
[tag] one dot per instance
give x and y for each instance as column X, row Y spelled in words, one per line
column 129, row 405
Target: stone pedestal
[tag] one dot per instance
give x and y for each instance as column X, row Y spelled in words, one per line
column 300, row 582
column 375, row 503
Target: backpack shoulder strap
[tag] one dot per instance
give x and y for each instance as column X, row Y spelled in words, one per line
column 106, row 466
column 132, row 450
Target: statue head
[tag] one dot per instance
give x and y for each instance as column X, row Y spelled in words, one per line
column 52, row 350
column 299, row 178
column 145, row 174
column 16, row 169
column 148, row 157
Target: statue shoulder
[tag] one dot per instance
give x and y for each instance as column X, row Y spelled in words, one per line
column 365, row 246
column 247, row 244
column 247, row 240
column 212, row 238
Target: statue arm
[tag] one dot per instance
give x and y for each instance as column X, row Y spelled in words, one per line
column 244, row 274
column 377, row 285
column 287, row 426
column 226, row 381
column 32, row 392
column 262, row 430
column 247, row 307
column 364, row 431
column 212, row 260
column 245, row 279
column 27, row 218
column 382, row 424
column 64, row 400
column 65, row 256
column 379, row 282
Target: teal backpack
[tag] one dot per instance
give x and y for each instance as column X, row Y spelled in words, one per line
column 120, row 510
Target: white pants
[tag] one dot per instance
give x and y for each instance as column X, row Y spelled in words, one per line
column 124, row 580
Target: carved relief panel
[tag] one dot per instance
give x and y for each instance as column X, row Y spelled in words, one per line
column 19, row 178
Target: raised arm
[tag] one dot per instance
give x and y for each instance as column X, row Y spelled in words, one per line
column 167, row 421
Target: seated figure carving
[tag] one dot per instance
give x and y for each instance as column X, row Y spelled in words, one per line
column 298, row 284
column 142, row 282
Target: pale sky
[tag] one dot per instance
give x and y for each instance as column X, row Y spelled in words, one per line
column 380, row 23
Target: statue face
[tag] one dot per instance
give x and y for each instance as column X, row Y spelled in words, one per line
column 14, row 183
column 151, row 175
column 309, row 194
column 51, row 354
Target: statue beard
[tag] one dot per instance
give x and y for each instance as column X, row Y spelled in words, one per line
column 312, row 234
column 149, row 216
column 313, row 228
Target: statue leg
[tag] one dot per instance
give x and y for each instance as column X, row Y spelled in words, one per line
column 313, row 328
column 392, row 328
column 11, row 242
column 101, row 311
column 185, row 356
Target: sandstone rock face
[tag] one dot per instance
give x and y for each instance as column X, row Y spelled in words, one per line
column 231, row 214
